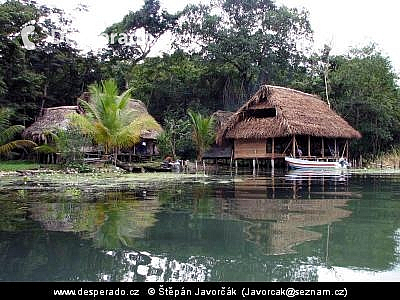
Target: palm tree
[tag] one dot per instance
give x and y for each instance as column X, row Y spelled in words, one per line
column 203, row 134
column 9, row 132
column 109, row 120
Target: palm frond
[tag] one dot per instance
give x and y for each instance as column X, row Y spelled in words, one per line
column 5, row 115
column 89, row 109
column 22, row 144
column 124, row 99
column 46, row 149
column 83, row 123
column 9, row 133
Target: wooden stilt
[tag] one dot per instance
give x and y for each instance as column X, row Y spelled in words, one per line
column 336, row 152
column 323, row 148
column 294, row 146
column 309, row 146
column 231, row 159
column 347, row 149
column 273, row 155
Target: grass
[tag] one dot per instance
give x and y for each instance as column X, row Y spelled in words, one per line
column 390, row 159
column 10, row 166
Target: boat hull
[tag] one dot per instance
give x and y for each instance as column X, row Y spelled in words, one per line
column 296, row 163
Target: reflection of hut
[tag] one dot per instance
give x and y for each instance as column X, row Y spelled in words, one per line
column 224, row 150
column 276, row 221
column 279, row 121
column 50, row 121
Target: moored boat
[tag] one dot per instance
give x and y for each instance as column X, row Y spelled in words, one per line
column 299, row 163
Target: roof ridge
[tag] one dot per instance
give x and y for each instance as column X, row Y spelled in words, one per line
column 295, row 91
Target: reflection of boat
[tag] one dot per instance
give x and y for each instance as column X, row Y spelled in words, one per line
column 299, row 163
column 299, row 174
column 317, row 172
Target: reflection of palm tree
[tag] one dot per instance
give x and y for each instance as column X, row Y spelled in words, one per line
column 124, row 222
column 110, row 225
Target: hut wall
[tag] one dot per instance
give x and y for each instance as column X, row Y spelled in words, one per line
column 250, row 149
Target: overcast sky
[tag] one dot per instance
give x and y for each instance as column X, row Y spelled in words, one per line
column 341, row 23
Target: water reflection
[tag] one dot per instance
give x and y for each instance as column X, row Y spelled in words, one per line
column 296, row 227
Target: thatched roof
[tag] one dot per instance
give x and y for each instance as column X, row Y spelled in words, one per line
column 139, row 109
column 293, row 113
column 221, row 117
column 56, row 118
column 51, row 120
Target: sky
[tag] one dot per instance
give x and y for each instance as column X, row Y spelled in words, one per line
column 343, row 24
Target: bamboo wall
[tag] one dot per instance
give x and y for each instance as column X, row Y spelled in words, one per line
column 250, row 149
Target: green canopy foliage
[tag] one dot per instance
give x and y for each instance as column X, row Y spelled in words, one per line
column 222, row 53
column 364, row 90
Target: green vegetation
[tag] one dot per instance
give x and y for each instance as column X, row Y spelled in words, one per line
column 108, row 119
column 202, row 132
column 10, row 166
column 9, row 132
column 222, row 52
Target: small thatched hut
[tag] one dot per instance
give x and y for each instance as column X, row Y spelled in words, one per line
column 51, row 120
column 56, row 118
column 279, row 121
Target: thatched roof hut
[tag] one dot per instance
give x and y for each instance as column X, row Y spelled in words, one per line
column 277, row 111
column 56, row 118
column 51, row 120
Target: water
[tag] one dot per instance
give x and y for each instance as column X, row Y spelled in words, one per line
column 289, row 227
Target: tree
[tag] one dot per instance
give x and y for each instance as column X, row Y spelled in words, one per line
column 52, row 74
column 176, row 138
column 132, row 39
column 9, row 132
column 179, row 81
column 203, row 134
column 257, row 38
column 365, row 92
column 109, row 120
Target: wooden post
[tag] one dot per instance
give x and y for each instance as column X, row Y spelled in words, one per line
column 323, row 148
column 273, row 155
column 347, row 150
column 231, row 159
column 309, row 146
column 254, row 165
column 336, row 149
column 294, row 146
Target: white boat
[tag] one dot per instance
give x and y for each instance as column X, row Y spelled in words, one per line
column 299, row 163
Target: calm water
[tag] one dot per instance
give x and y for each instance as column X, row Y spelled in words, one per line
column 289, row 227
